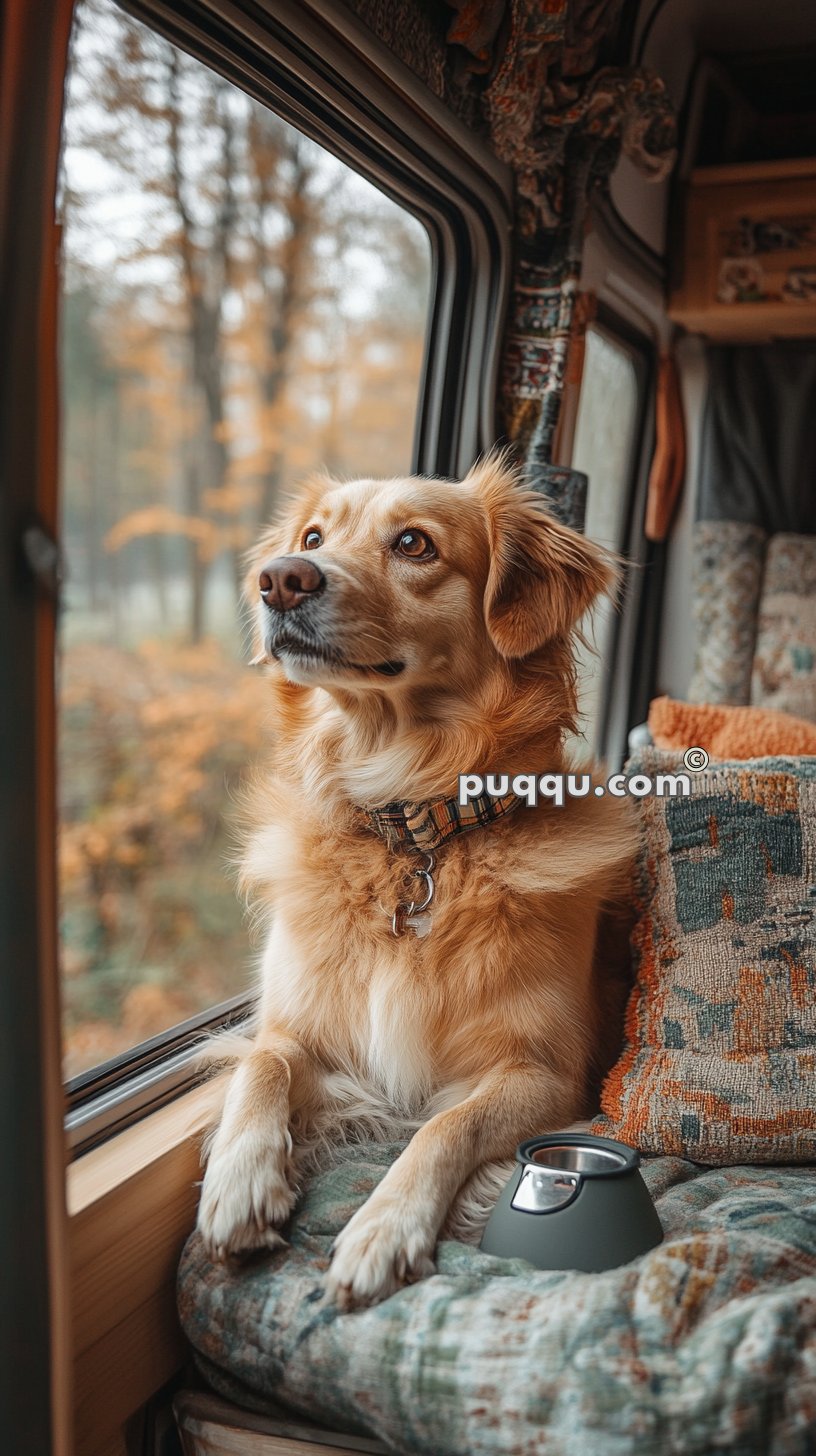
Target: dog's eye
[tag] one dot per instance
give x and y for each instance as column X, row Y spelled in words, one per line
column 416, row 545
column 312, row 539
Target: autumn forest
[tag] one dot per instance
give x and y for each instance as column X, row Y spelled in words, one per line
column 238, row 308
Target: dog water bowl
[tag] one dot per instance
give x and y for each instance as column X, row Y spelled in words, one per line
column 574, row 1202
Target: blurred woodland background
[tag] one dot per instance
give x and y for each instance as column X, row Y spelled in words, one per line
column 238, row 308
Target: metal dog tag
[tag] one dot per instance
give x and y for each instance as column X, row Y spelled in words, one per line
column 420, row 924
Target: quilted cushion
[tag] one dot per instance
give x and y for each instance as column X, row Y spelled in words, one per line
column 720, row 1057
column 726, row 584
column 784, row 673
column 707, row 1343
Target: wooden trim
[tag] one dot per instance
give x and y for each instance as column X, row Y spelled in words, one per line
column 205, row 1439
column 123, row 1369
column 116, row 1446
column 748, row 323
column 210, row 1426
column 46, row 733
column 36, row 1393
column 131, row 1206
column 753, row 171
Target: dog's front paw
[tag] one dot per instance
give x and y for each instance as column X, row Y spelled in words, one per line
column 246, row 1196
column 381, row 1249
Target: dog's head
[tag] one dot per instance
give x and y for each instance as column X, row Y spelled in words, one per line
column 419, row 583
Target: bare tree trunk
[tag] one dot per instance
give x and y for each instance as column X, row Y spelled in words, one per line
column 113, row 513
column 282, row 308
column 94, row 518
column 195, row 564
column 205, row 276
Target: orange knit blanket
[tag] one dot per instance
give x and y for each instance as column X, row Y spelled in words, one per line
column 729, row 732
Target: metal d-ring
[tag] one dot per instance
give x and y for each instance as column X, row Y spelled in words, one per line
column 403, row 911
column 430, row 887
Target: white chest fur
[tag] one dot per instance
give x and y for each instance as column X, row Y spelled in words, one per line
column 360, row 1005
column 397, row 1051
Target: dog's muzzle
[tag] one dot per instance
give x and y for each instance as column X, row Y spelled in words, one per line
column 295, row 581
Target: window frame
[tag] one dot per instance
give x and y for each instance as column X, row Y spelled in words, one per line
column 615, row 703
column 320, row 68
column 112, row 1095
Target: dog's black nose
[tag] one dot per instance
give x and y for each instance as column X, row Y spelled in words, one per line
column 284, row 583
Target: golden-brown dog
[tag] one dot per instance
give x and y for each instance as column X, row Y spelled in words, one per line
column 419, row 630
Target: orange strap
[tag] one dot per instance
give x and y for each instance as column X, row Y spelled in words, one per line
column 669, row 460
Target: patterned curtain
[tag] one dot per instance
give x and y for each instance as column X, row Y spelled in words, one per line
column 561, row 123
column 527, row 74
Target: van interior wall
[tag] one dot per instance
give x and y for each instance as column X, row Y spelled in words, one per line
column 668, row 38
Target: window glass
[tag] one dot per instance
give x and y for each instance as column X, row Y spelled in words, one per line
column 603, row 447
column 238, row 308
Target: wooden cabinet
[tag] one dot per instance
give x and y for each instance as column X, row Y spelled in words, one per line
column 745, row 266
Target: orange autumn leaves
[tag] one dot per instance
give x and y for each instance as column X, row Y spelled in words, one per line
column 151, row 927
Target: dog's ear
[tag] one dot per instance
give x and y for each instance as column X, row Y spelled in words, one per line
column 543, row 576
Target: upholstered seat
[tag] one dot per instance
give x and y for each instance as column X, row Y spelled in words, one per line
column 706, row 1343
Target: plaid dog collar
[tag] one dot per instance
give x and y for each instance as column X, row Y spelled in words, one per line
column 427, row 826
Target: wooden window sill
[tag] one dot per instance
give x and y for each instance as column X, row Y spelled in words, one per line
column 131, row 1205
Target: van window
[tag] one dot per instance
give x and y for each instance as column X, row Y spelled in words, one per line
column 605, row 447
column 239, row 307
